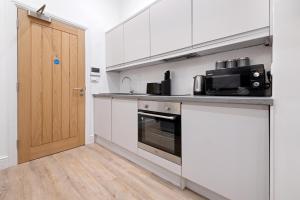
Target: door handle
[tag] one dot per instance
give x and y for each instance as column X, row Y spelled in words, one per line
column 81, row 91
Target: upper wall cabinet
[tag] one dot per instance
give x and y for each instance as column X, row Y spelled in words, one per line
column 169, row 29
column 170, row 25
column 115, row 46
column 137, row 37
column 216, row 19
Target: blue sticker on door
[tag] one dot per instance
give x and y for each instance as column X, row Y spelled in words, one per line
column 56, row 61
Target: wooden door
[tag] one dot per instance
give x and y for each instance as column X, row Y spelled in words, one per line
column 51, row 102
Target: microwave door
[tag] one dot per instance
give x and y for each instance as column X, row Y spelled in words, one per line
column 232, row 81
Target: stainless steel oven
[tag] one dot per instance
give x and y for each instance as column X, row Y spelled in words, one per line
column 159, row 129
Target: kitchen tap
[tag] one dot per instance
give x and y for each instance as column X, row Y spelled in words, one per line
column 131, row 91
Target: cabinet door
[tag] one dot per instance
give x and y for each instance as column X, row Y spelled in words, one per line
column 137, row 37
column 225, row 148
column 115, row 46
column 215, row 19
column 102, row 117
column 124, row 124
column 170, row 25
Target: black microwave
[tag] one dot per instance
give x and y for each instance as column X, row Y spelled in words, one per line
column 239, row 81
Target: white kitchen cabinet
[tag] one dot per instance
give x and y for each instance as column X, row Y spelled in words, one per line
column 170, row 25
column 137, row 37
column 225, row 148
column 125, row 124
column 102, row 117
column 115, row 46
column 215, row 19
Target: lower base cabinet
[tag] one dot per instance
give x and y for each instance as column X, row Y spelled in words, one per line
column 102, row 117
column 225, row 148
column 125, row 124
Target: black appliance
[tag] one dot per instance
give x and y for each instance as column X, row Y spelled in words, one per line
column 241, row 81
column 154, row 88
column 166, row 84
column 199, row 85
column 159, row 129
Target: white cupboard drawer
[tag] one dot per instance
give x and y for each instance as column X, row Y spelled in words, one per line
column 225, row 148
column 115, row 46
column 170, row 25
column 215, row 19
column 102, row 117
column 124, row 124
column 176, row 169
column 137, row 37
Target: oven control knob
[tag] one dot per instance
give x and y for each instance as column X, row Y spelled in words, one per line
column 256, row 74
column 146, row 106
column 256, row 84
column 167, row 108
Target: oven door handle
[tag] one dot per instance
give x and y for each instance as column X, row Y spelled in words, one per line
column 158, row 116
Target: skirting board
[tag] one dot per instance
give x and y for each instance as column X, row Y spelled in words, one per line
column 159, row 171
column 204, row 191
column 89, row 139
column 3, row 162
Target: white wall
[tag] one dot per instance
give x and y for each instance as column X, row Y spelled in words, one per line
column 97, row 15
column 286, row 72
column 182, row 72
column 8, row 79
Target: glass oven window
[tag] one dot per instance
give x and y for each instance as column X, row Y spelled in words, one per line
column 161, row 133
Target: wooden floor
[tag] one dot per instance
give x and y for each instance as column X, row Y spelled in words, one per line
column 89, row 172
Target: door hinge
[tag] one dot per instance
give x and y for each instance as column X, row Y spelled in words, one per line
column 18, row 144
column 18, row 86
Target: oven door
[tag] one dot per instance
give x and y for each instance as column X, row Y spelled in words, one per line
column 160, row 134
